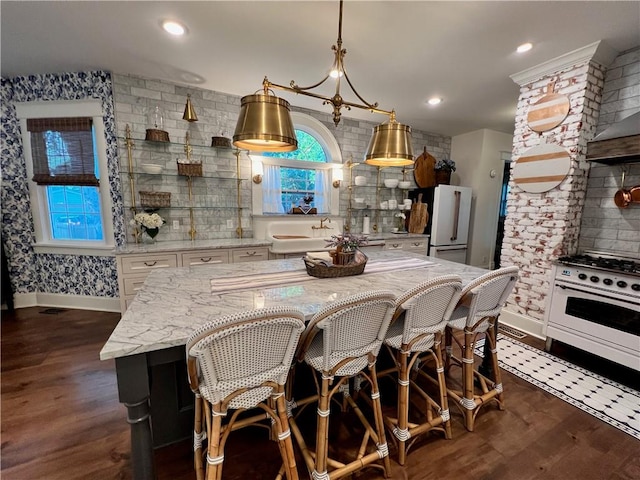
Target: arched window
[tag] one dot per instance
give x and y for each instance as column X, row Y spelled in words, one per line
column 290, row 179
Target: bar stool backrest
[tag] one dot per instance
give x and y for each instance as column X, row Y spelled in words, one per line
column 352, row 328
column 486, row 295
column 242, row 351
column 428, row 306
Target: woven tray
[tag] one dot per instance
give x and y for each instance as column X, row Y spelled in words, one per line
column 190, row 169
column 155, row 199
column 333, row 271
column 155, row 135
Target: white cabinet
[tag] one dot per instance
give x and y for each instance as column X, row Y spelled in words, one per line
column 205, row 257
column 133, row 268
column 416, row 245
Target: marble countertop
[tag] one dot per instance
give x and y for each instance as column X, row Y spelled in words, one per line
column 174, row 302
column 182, row 245
column 132, row 248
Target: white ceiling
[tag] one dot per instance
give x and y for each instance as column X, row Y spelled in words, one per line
column 398, row 53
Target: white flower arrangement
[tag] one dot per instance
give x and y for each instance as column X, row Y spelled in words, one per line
column 147, row 220
column 401, row 215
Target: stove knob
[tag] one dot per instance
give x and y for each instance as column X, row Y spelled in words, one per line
column 582, row 276
column 594, row 279
column 607, row 281
column 635, row 287
column 622, row 284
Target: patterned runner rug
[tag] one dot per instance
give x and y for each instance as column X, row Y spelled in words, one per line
column 611, row 402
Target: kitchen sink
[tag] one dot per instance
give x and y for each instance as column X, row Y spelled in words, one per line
column 300, row 235
column 300, row 244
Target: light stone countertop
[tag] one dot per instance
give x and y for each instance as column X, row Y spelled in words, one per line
column 186, row 245
column 173, row 302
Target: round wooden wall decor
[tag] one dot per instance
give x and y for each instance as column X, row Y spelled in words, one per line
column 541, row 168
column 548, row 112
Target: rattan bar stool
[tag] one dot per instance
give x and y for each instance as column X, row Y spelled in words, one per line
column 476, row 313
column 240, row 362
column 414, row 337
column 342, row 341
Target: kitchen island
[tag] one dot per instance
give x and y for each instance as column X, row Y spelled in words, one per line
column 148, row 342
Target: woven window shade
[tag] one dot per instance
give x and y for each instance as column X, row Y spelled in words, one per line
column 62, row 151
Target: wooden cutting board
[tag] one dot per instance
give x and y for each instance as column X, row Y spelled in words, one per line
column 418, row 216
column 541, row 168
column 548, row 112
column 424, row 170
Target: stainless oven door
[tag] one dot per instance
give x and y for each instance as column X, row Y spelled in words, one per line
column 604, row 323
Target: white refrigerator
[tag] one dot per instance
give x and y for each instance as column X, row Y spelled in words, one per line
column 450, row 223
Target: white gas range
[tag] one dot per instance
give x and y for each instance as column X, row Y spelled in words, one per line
column 595, row 306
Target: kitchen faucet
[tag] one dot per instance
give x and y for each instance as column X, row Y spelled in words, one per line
column 322, row 225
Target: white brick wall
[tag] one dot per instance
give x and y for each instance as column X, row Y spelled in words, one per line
column 541, row 227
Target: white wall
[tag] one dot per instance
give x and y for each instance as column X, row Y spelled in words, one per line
column 476, row 154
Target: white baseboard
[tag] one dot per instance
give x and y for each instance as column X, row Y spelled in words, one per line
column 58, row 300
column 529, row 325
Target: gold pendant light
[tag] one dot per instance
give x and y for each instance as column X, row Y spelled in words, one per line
column 265, row 123
column 390, row 145
column 189, row 112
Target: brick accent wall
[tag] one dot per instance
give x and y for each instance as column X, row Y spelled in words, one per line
column 541, row 227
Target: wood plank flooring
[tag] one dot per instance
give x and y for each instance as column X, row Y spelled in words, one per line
column 61, row 420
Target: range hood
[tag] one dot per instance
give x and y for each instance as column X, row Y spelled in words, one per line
column 620, row 143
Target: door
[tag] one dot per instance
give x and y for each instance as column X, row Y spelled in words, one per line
column 451, row 213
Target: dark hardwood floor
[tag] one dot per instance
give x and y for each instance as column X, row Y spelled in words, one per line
column 61, row 420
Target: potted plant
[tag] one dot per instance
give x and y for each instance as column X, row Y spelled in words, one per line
column 443, row 169
column 149, row 223
column 345, row 245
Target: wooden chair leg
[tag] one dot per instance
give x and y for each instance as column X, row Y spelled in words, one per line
column 377, row 410
column 442, row 386
column 215, row 456
column 468, row 400
column 401, row 431
column 198, row 437
column 322, row 429
column 284, row 439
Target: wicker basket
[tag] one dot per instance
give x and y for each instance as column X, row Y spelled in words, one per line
column 190, row 169
column 155, row 199
column 332, row 271
column 220, row 142
column 155, row 135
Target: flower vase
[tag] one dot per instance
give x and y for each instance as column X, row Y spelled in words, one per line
column 341, row 257
column 443, row 177
column 149, row 235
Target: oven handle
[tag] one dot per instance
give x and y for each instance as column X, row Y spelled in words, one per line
column 564, row 287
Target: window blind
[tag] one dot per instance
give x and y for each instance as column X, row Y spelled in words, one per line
column 62, row 151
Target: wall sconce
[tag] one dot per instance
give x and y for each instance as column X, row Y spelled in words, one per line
column 258, row 171
column 338, row 176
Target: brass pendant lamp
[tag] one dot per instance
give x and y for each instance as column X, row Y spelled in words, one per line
column 265, row 122
column 189, row 112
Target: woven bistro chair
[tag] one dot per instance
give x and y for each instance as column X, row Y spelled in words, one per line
column 342, row 341
column 240, row 362
column 415, row 335
column 476, row 313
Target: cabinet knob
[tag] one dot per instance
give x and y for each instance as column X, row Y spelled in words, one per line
column 395, row 245
column 416, row 244
column 150, row 264
column 251, row 254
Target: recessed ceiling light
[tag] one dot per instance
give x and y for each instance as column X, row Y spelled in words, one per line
column 434, row 101
column 525, row 47
column 173, row 27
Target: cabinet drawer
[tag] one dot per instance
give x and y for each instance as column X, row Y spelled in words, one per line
column 132, row 285
column 205, row 257
column 418, row 246
column 391, row 245
column 146, row 263
column 250, row 254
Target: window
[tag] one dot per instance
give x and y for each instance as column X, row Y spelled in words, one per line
column 65, row 154
column 289, row 177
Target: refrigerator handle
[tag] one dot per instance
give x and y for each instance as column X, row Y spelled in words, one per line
column 456, row 215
